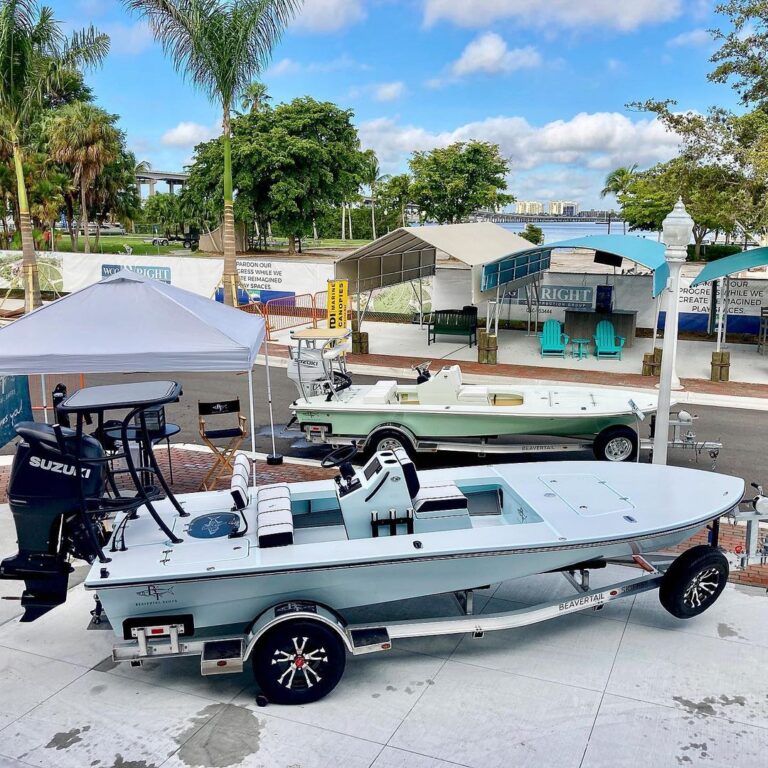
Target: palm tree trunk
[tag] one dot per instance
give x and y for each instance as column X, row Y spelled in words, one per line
column 343, row 221
column 229, row 277
column 314, row 229
column 373, row 216
column 84, row 216
column 349, row 209
column 32, row 298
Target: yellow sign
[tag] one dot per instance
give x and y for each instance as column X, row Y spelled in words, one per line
column 336, row 314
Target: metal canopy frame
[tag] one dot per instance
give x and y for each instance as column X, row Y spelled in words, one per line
column 518, row 266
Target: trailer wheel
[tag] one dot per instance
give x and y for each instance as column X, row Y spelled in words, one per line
column 694, row 581
column 616, row 444
column 389, row 440
column 298, row 662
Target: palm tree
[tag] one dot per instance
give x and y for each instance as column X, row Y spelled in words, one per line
column 255, row 97
column 618, row 182
column 221, row 48
column 36, row 61
column 85, row 138
column 372, row 177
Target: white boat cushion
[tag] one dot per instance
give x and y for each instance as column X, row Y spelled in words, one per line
column 381, row 393
column 238, row 487
column 431, row 498
column 473, row 394
column 274, row 521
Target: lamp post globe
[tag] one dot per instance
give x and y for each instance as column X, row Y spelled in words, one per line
column 677, row 229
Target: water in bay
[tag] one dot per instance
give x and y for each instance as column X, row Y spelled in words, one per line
column 554, row 231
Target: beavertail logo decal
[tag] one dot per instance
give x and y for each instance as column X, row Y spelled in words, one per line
column 156, row 592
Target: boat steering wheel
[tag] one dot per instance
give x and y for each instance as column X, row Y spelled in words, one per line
column 339, row 457
column 422, row 369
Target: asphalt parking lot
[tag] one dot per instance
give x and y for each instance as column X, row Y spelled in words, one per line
column 624, row 686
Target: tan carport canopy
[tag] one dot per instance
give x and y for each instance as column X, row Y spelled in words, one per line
column 410, row 253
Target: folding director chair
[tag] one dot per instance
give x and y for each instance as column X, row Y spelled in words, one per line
column 224, row 453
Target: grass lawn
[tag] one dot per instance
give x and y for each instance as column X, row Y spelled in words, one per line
column 117, row 243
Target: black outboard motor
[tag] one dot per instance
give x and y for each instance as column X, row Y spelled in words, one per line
column 51, row 513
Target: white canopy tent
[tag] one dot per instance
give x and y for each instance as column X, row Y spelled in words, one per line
column 127, row 324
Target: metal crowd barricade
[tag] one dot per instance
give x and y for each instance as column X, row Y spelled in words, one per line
column 321, row 307
column 289, row 312
column 40, row 388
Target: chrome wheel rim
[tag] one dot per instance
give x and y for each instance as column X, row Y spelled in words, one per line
column 389, row 444
column 299, row 667
column 702, row 588
column 618, row 449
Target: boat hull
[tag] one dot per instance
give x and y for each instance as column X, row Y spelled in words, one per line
column 238, row 599
column 451, row 422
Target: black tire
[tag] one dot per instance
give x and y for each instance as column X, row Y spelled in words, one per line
column 283, row 669
column 389, row 440
column 187, row 244
column 616, row 444
column 694, row 581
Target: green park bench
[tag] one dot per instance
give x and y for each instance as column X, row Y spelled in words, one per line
column 453, row 322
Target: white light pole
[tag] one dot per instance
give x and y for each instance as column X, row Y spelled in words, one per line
column 677, row 230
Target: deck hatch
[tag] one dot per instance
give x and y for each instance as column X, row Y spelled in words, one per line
column 588, row 495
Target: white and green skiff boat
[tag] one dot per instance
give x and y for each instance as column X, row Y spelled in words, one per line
column 441, row 412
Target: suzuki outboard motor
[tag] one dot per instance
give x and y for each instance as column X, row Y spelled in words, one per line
column 52, row 522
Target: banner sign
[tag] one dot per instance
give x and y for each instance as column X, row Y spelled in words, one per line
column 162, row 274
column 569, row 296
column 337, row 303
column 15, row 405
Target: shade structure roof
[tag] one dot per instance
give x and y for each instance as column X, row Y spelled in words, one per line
column 128, row 323
column 408, row 253
column 729, row 265
column 521, row 265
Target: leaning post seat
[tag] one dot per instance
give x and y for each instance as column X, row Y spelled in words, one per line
column 431, row 498
column 238, row 487
column 274, row 521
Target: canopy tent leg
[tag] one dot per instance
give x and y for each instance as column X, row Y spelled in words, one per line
column 719, row 314
column 44, row 396
column 274, row 457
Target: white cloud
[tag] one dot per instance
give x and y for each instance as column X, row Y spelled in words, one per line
column 288, row 66
column 188, row 134
column 329, row 15
column 624, row 15
column 489, row 53
column 586, row 146
column 389, row 91
column 694, row 38
column 128, row 39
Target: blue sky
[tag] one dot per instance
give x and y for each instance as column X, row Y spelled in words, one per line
column 547, row 80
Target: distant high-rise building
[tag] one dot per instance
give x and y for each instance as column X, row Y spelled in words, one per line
column 533, row 207
column 563, row 208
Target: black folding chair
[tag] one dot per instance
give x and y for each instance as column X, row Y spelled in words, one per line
column 224, row 453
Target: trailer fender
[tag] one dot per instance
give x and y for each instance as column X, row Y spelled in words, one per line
column 290, row 611
column 410, row 441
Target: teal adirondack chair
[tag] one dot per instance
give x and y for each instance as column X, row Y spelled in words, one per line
column 552, row 339
column 607, row 343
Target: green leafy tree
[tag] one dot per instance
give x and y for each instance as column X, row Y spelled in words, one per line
column 710, row 193
column 451, row 183
column 115, row 193
column 533, row 234
column 618, row 182
column 221, row 47
column 163, row 210
column 85, row 138
column 741, row 58
column 395, row 195
column 37, row 65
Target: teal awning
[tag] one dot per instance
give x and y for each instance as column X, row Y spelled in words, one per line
column 522, row 264
column 728, row 265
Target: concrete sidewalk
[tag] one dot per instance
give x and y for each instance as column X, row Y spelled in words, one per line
column 624, row 686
